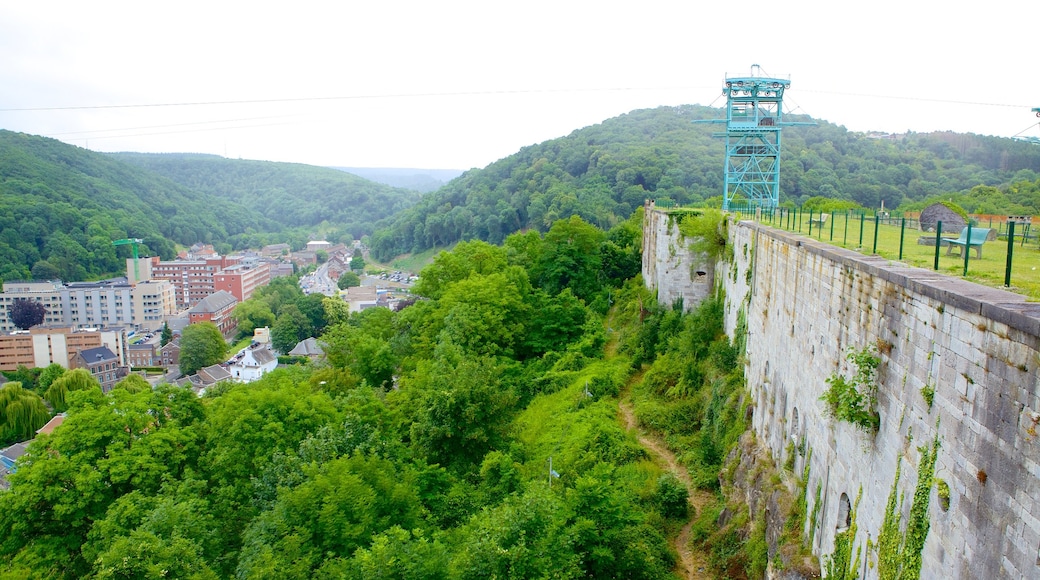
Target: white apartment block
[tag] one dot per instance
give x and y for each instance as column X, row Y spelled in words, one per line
column 108, row 303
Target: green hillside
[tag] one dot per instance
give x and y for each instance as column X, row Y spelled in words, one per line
column 604, row 171
column 291, row 194
column 62, row 206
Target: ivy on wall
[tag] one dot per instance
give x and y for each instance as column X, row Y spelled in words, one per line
column 899, row 552
column 843, row 563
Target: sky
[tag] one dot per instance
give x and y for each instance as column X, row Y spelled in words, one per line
column 455, row 84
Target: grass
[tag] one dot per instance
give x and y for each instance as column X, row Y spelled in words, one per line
column 234, row 348
column 855, row 234
column 414, row 263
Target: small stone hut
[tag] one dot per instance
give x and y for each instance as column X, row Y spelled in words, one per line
column 951, row 220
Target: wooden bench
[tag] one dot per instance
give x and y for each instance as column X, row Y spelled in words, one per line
column 819, row 220
column 978, row 237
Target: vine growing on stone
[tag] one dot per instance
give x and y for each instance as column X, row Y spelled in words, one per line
column 899, row 553
column 854, row 399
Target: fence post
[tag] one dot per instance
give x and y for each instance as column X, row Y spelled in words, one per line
column 832, row 225
column 1011, row 249
column 967, row 247
column 845, row 242
column 877, row 222
column 938, row 241
column 810, row 223
column 902, row 232
column 862, row 219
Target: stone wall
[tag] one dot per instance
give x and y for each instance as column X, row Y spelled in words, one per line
column 808, row 305
column 669, row 266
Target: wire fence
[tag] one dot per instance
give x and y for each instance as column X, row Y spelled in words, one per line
column 996, row 252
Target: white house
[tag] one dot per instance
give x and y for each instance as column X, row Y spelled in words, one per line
column 252, row 363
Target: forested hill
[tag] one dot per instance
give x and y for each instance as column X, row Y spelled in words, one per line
column 62, row 206
column 603, row 172
column 421, row 180
column 291, row 194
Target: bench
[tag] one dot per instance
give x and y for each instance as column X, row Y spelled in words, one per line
column 819, row 220
column 978, row 237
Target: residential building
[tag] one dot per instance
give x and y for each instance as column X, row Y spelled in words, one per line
column 282, row 269
column 304, row 259
column 115, row 302
column 93, row 304
column 240, row 280
column 191, row 279
column 170, row 355
column 214, row 374
column 142, row 354
column 276, row 250
column 46, row 292
column 314, row 246
column 252, row 363
column 216, row 308
column 51, row 425
column 41, row 346
column 309, row 348
column 103, row 365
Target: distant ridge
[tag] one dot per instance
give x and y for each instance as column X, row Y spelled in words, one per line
column 421, row 180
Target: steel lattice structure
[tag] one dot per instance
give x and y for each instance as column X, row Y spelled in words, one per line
column 754, row 119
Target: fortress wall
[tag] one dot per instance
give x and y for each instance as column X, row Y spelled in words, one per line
column 807, row 305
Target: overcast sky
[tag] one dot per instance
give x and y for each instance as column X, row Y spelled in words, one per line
column 452, row 84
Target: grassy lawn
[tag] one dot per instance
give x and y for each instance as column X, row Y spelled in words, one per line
column 234, row 348
column 854, row 234
column 414, row 263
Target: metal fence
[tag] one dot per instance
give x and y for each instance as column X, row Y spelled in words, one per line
column 997, row 253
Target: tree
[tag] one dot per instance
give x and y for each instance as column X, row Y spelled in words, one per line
column 44, row 270
column 367, row 356
column 357, row 263
column 134, row 383
column 25, row 313
column 463, row 410
column 291, row 327
column 48, row 375
column 202, row 345
column 22, row 412
column 75, row 380
column 348, row 280
column 166, row 336
column 252, row 314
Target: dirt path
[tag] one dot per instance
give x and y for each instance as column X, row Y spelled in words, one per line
column 693, row 565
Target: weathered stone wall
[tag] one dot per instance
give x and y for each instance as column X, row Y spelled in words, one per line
column 807, row 305
column 669, row 266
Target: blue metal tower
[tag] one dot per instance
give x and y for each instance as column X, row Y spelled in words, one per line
column 754, row 118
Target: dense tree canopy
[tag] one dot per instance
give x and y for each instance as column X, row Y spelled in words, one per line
column 411, row 451
column 61, row 207
column 602, row 173
column 341, row 204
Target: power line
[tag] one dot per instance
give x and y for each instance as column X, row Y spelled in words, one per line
column 342, row 98
column 65, row 133
column 907, row 98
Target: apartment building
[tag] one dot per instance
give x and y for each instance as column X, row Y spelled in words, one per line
column 41, row 346
column 216, row 308
column 93, row 304
column 240, row 280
